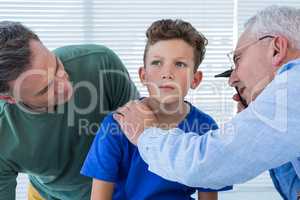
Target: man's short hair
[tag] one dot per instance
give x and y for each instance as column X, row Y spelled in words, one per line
column 276, row 20
column 15, row 51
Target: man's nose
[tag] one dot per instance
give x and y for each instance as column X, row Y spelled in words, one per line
column 62, row 75
column 233, row 79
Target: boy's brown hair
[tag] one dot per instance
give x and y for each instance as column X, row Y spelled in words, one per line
column 167, row 29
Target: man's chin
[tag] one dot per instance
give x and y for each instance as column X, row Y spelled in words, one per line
column 253, row 96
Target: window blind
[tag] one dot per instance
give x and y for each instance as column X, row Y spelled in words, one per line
column 121, row 26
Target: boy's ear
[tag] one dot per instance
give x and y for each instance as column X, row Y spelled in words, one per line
column 8, row 99
column 280, row 50
column 197, row 78
column 142, row 74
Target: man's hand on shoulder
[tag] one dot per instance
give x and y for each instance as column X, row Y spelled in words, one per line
column 135, row 117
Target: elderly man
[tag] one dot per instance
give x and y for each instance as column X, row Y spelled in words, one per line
column 52, row 103
column 265, row 135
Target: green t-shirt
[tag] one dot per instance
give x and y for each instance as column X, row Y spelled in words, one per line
column 51, row 147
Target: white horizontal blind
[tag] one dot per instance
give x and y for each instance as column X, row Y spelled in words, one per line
column 121, row 25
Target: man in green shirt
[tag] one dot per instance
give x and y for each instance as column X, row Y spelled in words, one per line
column 52, row 103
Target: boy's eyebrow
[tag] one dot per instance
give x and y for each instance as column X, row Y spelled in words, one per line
column 45, row 89
column 177, row 58
column 182, row 58
column 157, row 56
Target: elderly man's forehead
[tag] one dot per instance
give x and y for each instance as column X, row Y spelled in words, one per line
column 245, row 38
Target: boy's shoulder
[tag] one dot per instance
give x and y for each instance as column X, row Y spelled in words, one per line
column 197, row 121
column 109, row 123
column 109, row 128
column 199, row 114
column 108, row 119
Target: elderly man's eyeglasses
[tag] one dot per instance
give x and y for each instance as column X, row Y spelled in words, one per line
column 235, row 55
column 233, row 59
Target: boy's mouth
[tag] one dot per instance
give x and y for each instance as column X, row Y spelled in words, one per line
column 169, row 87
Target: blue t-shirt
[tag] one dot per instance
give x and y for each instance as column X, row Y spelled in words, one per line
column 114, row 159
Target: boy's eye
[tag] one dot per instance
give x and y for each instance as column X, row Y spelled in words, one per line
column 180, row 64
column 155, row 62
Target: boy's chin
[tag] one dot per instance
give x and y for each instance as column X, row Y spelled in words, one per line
column 168, row 99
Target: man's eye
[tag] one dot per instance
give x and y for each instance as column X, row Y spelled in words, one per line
column 236, row 59
column 180, row 64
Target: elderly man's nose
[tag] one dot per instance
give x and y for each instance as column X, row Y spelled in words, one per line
column 233, row 79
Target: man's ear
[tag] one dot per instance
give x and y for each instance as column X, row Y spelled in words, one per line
column 197, row 78
column 280, row 46
column 142, row 75
column 8, row 99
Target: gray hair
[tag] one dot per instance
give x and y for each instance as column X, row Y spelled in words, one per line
column 277, row 20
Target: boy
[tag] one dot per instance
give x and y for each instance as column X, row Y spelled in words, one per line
column 172, row 55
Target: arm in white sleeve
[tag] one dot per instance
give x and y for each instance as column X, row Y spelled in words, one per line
column 265, row 135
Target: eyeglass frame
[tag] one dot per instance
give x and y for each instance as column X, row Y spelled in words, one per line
column 232, row 57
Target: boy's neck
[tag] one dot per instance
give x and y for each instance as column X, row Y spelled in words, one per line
column 169, row 115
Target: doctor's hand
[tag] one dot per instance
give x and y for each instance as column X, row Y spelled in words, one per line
column 135, row 117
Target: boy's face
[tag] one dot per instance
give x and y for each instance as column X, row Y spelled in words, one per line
column 169, row 70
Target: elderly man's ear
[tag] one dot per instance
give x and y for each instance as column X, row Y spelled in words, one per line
column 280, row 49
column 8, row 99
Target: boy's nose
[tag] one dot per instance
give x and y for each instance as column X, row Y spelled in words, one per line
column 167, row 76
column 167, row 71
